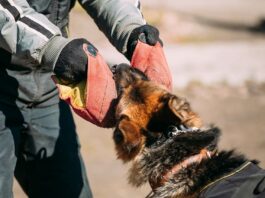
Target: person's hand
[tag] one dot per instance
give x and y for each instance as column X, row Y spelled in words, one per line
column 144, row 50
column 147, row 34
column 85, row 82
column 71, row 65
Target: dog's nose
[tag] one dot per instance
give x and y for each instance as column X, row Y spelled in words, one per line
column 118, row 136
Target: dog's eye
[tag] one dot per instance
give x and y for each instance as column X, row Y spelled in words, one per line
column 118, row 136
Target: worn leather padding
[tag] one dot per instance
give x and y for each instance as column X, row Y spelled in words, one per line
column 152, row 61
column 94, row 100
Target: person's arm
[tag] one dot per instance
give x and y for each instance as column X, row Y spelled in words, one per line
column 115, row 18
column 34, row 41
column 26, row 34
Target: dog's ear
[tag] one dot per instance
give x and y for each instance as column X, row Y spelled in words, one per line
column 182, row 110
column 173, row 110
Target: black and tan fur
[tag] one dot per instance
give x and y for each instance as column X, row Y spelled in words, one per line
column 144, row 114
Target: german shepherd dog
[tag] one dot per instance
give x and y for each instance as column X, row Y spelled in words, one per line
column 168, row 147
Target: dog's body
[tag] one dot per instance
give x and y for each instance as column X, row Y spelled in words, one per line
column 163, row 138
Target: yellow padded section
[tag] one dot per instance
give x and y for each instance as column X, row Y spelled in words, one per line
column 76, row 93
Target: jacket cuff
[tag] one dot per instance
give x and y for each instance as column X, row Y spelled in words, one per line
column 52, row 51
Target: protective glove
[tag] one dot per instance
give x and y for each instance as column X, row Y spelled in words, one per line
column 147, row 34
column 85, row 82
column 71, row 65
column 146, row 54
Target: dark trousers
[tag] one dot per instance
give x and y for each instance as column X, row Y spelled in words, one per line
column 40, row 147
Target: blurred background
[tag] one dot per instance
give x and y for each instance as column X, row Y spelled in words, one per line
column 216, row 52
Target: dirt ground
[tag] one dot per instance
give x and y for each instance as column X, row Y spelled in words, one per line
column 237, row 108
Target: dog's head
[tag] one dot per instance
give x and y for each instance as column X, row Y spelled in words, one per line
column 145, row 111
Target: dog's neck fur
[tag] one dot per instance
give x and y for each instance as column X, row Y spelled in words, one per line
column 195, row 159
column 188, row 180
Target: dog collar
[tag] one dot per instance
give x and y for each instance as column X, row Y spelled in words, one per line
column 175, row 130
column 204, row 154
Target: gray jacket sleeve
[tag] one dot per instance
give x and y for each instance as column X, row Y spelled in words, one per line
column 27, row 34
column 115, row 18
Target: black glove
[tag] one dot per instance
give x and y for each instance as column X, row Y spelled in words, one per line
column 146, row 33
column 72, row 63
